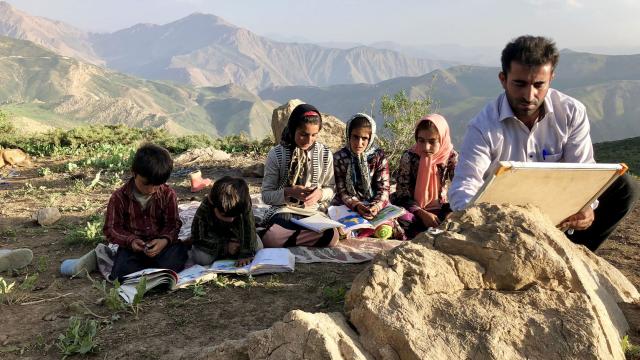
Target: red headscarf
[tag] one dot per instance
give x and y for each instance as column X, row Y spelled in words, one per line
column 428, row 183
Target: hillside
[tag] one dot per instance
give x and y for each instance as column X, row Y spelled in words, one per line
column 41, row 87
column 460, row 92
column 627, row 151
column 53, row 35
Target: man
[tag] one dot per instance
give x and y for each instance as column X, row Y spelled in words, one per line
column 531, row 121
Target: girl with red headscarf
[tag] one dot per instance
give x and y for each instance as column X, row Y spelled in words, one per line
column 425, row 172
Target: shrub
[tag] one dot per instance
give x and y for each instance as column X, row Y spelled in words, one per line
column 400, row 115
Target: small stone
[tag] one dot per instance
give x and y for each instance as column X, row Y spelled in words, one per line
column 46, row 216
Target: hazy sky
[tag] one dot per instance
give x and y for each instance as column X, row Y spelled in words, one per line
column 578, row 24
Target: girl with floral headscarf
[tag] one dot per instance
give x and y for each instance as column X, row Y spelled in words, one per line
column 298, row 182
column 362, row 173
column 424, row 175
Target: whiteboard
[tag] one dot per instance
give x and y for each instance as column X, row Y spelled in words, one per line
column 558, row 189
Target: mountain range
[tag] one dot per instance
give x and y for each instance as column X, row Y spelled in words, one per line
column 228, row 80
column 609, row 86
column 42, row 89
column 205, row 50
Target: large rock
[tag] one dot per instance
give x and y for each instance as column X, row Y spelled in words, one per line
column 504, row 283
column 14, row 157
column 300, row 335
column 332, row 133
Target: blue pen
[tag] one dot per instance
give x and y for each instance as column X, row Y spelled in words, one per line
column 544, row 154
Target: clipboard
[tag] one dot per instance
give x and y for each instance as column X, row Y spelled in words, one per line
column 558, row 189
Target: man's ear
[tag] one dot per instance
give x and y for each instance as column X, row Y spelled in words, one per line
column 553, row 75
column 503, row 79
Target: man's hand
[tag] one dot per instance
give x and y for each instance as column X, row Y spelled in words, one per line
column 312, row 197
column 155, row 246
column 244, row 261
column 427, row 218
column 578, row 221
column 137, row 245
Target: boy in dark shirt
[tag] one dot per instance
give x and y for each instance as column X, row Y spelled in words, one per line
column 142, row 217
column 223, row 226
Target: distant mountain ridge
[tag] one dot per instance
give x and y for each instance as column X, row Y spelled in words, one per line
column 43, row 89
column 460, row 92
column 205, row 50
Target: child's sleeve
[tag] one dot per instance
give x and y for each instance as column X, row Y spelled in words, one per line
column 380, row 182
column 114, row 229
column 340, row 168
column 249, row 237
column 201, row 228
column 272, row 193
column 172, row 222
column 404, row 191
column 328, row 183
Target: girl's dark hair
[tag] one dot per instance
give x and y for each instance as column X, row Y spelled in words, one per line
column 359, row 122
column 425, row 125
column 230, row 195
column 152, row 162
column 302, row 114
column 530, row 51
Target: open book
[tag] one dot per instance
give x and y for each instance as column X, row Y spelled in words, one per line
column 354, row 221
column 558, row 189
column 271, row 260
column 317, row 223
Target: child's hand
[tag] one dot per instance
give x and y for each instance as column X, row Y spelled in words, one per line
column 244, row 262
column 297, row 192
column 155, row 246
column 313, row 196
column 137, row 245
column 427, row 218
column 364, row 211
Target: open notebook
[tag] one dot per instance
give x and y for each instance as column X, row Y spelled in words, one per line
column 558, row 189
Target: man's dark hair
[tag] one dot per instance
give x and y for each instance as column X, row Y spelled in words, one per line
column 230, row 195
column 152, row 162
column 530, row 51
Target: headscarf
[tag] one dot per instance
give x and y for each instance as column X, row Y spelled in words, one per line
column 359, row 168
column 299, row 158
column 428, row 183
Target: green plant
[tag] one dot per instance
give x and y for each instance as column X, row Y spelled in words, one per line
column 6, row 126
column 44, row 171
column 112, row 299
column 334, row 295
column 631, row 351
column 30, row 282
column 141, row 289
column 90, row 234
column 5, row 291
column 71, row 167
column 198, row 289
column 79, row 338
column 400, row 115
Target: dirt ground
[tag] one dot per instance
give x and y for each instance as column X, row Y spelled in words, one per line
column 169, row 325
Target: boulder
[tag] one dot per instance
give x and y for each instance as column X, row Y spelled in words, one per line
column 204, row 155
column 502, row 283
column 300, row 335
column 13, row 157
column 255, row 170
column 332, row 133
column 46, row 216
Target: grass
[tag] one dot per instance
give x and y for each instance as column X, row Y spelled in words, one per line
column 626, row 151
column 79, row 337
column 631, row 351
column 89, row 234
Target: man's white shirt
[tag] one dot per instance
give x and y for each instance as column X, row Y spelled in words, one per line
column 495, row 134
